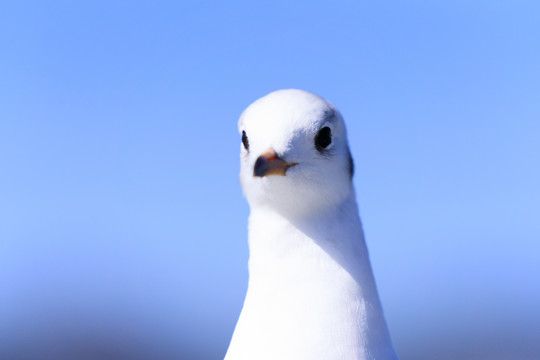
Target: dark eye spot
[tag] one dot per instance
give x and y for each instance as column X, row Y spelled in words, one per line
column 245, row 140
column 323, row 138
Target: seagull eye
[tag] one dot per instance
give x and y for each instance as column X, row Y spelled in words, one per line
column 245, row 140
column 323, row 138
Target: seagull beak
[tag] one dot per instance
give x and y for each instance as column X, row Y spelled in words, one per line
column 269, row 163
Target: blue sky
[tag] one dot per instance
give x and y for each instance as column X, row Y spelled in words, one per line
column 122, row 219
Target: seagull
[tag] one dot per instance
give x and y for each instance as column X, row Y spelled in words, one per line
column 311, row 292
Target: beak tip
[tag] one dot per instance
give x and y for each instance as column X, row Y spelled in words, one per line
column 259, row 169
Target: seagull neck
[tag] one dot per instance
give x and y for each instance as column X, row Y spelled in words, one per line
column 335, row 233
column 329, row 218
column 314, row 273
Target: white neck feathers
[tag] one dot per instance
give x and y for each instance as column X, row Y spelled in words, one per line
column 311, row 292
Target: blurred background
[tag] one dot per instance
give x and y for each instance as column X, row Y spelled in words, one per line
column 122, row 223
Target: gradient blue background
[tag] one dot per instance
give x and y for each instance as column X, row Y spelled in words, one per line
column 122, row 223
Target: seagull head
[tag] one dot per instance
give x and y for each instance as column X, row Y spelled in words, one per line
column 294, row 153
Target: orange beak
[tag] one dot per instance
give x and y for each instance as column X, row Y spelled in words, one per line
column 269, row 163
